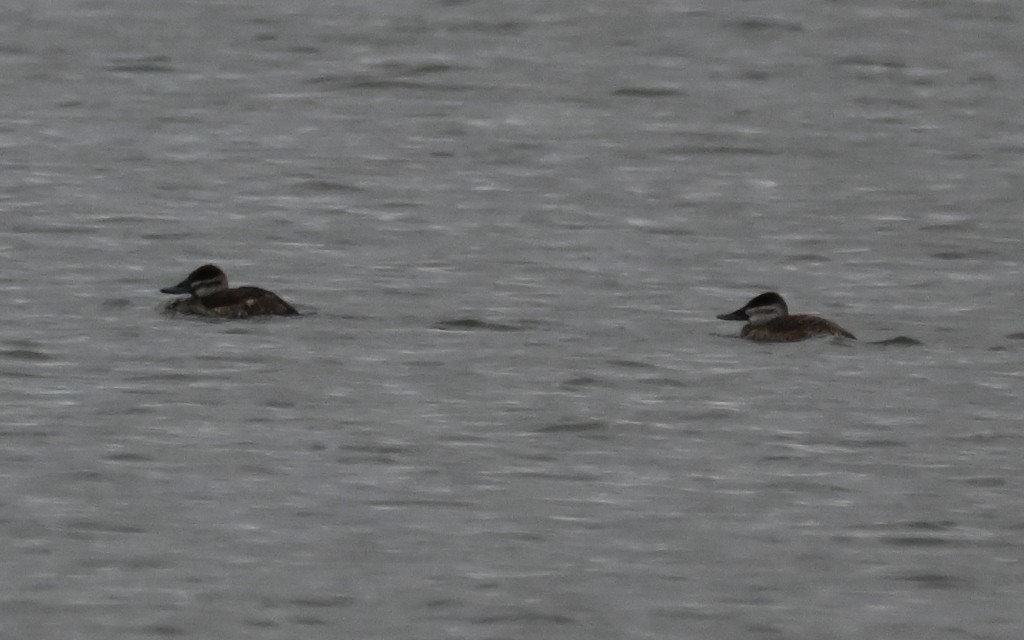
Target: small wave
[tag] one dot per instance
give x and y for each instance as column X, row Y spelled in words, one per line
column 647, row 92
column 475, row 324
column 574, row 426
column 26, row 354
column 899, row 341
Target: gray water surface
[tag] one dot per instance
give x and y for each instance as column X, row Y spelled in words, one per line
column 509, row 410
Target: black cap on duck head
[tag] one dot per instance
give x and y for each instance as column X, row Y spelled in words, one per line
column 205, row 280
column 769, row 300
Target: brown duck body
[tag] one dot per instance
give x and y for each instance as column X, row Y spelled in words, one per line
column 240, row 302
column 768, row 320
column 210, row 296
column 793, row 329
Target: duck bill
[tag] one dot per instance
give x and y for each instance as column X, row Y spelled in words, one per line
column 739, row 314
column 180, row 288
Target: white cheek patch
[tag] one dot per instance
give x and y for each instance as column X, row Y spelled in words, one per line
column 204, row 288
column 758, row 315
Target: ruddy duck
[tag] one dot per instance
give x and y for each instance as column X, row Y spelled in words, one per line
column 768, row 320
column 209, row 295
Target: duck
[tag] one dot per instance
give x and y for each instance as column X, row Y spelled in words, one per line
column 768, row 320
column 208, row 294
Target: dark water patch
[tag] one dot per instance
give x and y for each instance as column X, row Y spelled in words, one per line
column 394, row 83
column 463, row 439
column 809, row 257
column 1016, row 336
column 574, row 426
column 684, row 612
column 161, row 629
column 963, row 225
column 933, row 580
column 322, row 602
column 262, row 623
column 11, row 49
column 803, row 487
column 500, row 27
column 95, row 526
column 951, row 255
column 20, row 434
column 910, row 533
column 717, row 150
column 994, row 12
column 377, row 454
column 129, row 456
column 871, row 443
column 475, row 324
column 141, row 64
column 21, row 343
column 318, row 514
column 915, row 541
column 85, row 475
column 647, row 92
column 899, row 341
column 401, row 205
column 698, row 417
column 115, row 304
column 26, row 354
column 1006, row 148
column 128, row 563
column 461, row 504
column 985, row 481
column 233, row 360
column 406, row 69
column 763, row 629
column 927, row 525
column 430, row 364
column 887, row 102
column 257, row 469
column 583, row 382
column 168, row 235
column 765, row 25
column 174, row 376
column 668, row 231
column 662, row 381
column 377, row 459
column 443, row 603
column 61, row 229
column 521, row 615
column 332, row 82
column 318, row 185
column 540, row 456
column 755, row 75
column 630, row 364
column 430, row 68
column 986, row 437
column 279, row 404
